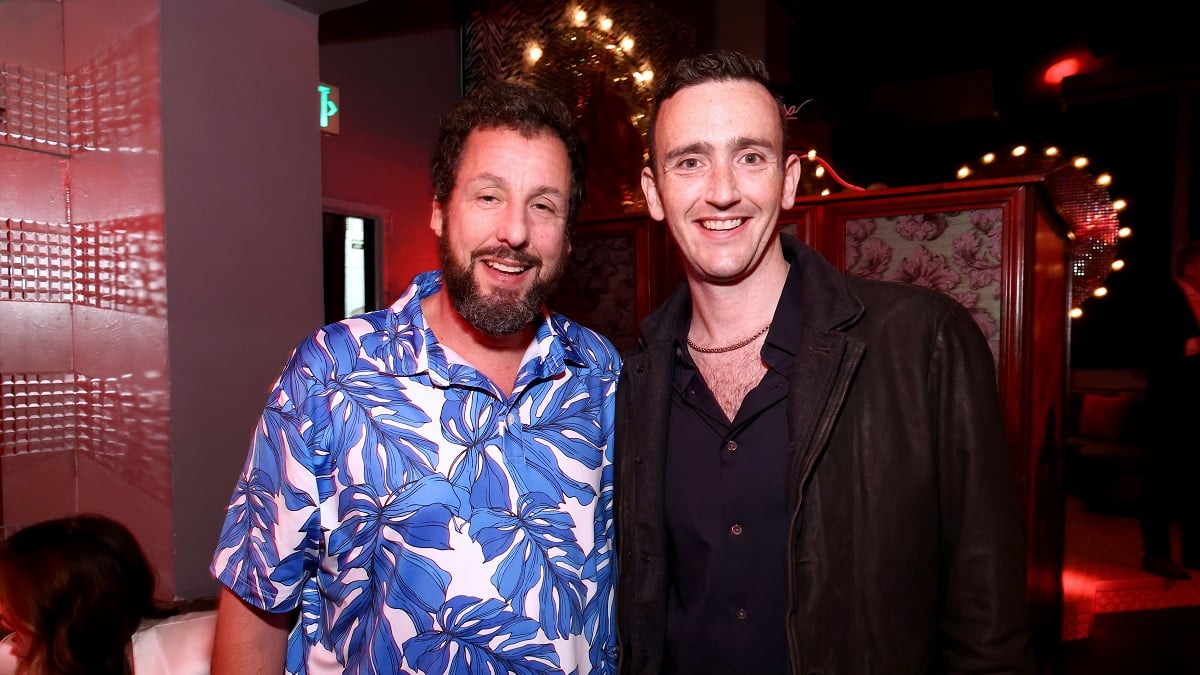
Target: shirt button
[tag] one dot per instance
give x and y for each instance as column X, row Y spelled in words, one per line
column 735, row 530
column 740, row 614
column 512, row 419
column 731, row 446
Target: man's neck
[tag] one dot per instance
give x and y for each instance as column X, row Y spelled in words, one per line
column 725, row 313
column 497, row 357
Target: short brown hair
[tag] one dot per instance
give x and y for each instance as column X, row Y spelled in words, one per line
column 715, row 66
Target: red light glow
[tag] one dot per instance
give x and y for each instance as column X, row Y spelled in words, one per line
column 1061, row 69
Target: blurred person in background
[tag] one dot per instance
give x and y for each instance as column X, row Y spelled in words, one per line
column 78, row 597
column 1171, row 484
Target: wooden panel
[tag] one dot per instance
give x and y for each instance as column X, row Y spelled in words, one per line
column 610, row 280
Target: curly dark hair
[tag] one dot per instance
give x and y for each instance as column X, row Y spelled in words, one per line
column 77, row 588
column 715, row 66
column 502, row 104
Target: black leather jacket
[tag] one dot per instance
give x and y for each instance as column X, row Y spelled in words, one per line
column 905, row 550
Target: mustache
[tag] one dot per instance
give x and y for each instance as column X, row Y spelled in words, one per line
column 508, row 253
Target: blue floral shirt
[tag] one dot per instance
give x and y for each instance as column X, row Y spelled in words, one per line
column 423, row 521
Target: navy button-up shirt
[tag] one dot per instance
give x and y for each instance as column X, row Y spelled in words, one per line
column 728, row 520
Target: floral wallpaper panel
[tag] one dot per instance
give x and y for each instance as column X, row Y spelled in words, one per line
column 954, row 252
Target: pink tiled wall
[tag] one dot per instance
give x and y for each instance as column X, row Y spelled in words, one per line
column 83, row 368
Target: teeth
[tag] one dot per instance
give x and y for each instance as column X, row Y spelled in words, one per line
column 721, row 225
column 511, row 269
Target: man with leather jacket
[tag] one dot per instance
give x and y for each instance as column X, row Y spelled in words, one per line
column 812, row 471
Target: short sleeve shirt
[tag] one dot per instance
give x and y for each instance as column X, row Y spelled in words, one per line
column 420, row 519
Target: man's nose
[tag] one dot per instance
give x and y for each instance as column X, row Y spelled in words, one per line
column 513, row 228
column 723, row 185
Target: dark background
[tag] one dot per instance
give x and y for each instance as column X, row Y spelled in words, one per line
column 906, row 93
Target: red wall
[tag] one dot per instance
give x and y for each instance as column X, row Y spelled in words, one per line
column 394, row 90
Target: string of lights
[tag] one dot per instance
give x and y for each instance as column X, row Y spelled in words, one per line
column 1083, row 200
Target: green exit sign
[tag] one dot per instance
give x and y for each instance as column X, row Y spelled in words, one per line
column 330, row 107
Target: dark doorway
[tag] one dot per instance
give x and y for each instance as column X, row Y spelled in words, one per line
column 349, row 264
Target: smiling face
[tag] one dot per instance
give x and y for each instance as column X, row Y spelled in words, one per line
column 503, row 229
column 720, row 179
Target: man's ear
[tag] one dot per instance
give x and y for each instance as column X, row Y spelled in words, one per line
column 437, row 218
column 791, row 181
column 650, row 189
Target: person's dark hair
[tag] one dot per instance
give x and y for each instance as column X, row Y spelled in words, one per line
column 77, row 588
column 1188, row 254
column 715, row 66
column 523, row 108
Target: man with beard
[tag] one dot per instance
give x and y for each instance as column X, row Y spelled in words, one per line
column 429, row 487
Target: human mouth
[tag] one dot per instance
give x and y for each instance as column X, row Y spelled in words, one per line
column 722, row 225
column 506, row 267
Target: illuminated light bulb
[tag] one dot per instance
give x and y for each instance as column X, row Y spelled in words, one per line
column 1019, row 151
column 1080, row 162
column 533, row 53
column 812, row 153
column 1104, row 179
column 647, row 75
column 1051, row 151
column 1100, row 292
column 605, row 24
column 989, row 158
column 627, row 44
column 825, row 192
column 820, row 172
column 1076, row 312
column 1124, row 232
column 579, row 17
column 964, row 171
column 1118, row 265
column 1119, row 205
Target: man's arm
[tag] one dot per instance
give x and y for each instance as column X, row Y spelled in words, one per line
column 249, row 640
column 986, row 614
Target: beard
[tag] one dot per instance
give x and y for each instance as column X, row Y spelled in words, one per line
column 501, row 312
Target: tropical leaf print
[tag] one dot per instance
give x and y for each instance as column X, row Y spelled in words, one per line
column 551, row 430
column 539, row 547
column 471, row 419
column 377, row 568
column 251, row 517
column 477, row 636
column 421, row 517
column 600, row 566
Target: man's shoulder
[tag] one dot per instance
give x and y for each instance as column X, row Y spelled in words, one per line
column 875, row 293
column 592, row 346
column 896, row 308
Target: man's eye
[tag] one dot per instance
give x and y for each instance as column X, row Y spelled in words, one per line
column 689, row 163
column 752, row 158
